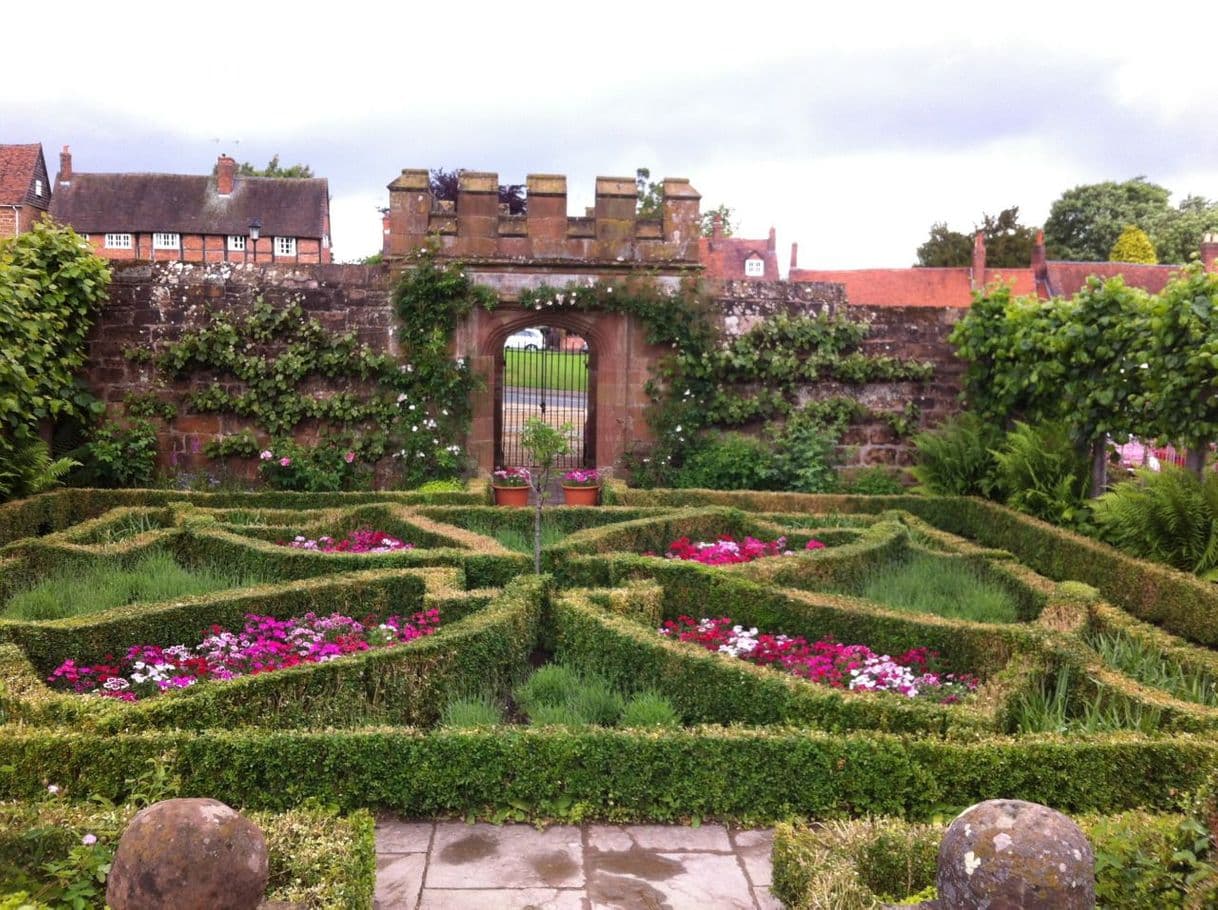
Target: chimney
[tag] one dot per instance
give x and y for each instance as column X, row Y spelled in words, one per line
column 716, row 226
column 65, row 166
column 1209, row 251
column 771, row 244
column 794, row 255
column 978, row 279
column 226, row 172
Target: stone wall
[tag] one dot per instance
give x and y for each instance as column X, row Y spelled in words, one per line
column 151, row 305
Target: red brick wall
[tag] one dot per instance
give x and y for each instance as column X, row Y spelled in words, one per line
column 210, row 248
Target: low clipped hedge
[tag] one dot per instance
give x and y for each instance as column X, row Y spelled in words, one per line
column 869, row 863
column 407, row 684
column 318, row 860
column 745, row 774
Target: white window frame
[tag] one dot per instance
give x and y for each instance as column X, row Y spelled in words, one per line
column 236, row 243
column 285, row 246
column 754, row 267
column 38, row 188
column 163, row 240
column 118, row 242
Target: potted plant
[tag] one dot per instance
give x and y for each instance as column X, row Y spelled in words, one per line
column 581, row 487
column 511, row 486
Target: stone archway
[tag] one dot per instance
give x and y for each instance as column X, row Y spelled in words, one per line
column 620, row 364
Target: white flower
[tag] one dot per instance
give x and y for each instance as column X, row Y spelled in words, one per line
column 401, row 398
column 53, row 789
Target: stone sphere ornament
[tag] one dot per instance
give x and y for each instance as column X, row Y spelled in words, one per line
column 1007, row 854
column 188, row 854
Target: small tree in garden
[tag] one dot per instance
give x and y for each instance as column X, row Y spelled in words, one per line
column 1133, row 246
column 544, row 443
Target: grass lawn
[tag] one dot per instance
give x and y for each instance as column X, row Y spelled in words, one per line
column 563, row 370
column 154, row 578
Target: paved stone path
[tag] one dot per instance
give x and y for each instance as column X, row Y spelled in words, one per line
column 455, row 866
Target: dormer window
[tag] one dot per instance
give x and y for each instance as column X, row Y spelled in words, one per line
column 754, row 267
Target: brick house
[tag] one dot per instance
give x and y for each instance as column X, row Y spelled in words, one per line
column 220, row 217
column 25, row 191
column 737, row 258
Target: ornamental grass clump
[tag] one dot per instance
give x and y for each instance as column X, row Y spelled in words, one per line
column 472, row 711
column 264, row 645
column 827, row 662
column 649, row 709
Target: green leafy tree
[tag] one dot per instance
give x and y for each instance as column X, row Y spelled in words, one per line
column 727, row 226
column 1133, row 246
column 275, row 169
column 1085, row 222
column 544, row 444
column 650, row 194
column 1180, row 387
column 1179, row 237
column 1008, row 244
column 51, row 287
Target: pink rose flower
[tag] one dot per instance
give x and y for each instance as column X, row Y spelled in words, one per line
column 349, row 457
column 266, row 455
column 285, row 462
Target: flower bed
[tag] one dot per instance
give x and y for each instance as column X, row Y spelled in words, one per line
column 364, row 540
column 264, row 645
column 726, row 550
column 857, row 667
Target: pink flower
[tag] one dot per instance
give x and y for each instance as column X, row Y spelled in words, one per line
column 285, row 462
column 266, row 455
column 89, row 840
column 349, row 457
column 814, row 545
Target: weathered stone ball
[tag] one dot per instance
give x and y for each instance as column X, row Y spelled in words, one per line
column 189, row 854
column 1005, row 854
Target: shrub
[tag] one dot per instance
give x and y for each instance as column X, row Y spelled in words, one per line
column 472, row 711
column 317, row 469
column 596, row 703
column 874, row 481
column 649, row 709
column 1133, row 246
column 957, row 458
column 1041, row 472
column 1169, row 516
column 728, row 461
column 120, row 455
column 553, row 684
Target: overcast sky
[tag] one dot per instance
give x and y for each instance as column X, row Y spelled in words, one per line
column 850, row 131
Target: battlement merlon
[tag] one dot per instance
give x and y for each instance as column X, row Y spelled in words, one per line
column 476, row 227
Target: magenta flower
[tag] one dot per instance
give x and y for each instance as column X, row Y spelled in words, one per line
column 285, row 462
column 349, row 457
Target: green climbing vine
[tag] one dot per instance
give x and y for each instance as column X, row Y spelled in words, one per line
column 712, row 381
column 285, row 372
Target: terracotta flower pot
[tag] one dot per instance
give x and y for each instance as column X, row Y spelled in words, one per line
column 511, row 496
column 580, row 496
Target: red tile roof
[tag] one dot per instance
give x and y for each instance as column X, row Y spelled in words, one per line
column 1065, row 279
column 17, row 166
column 723, row 257
column 950, row 287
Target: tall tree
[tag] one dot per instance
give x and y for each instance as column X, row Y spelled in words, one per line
column 1179, row 237
column 650, row 194
column 444, row 185
column 274, row 169
column 726, row 226
column 1085, row 222
column 1008, row 244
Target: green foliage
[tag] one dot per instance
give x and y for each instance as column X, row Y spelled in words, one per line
column 727, row 227
column 728, row 461
column 472, row 711
column 552, row 684
column 147, row 405
column 650, row 194
column 152, row 579
column 1041, row 472
column 556, row 694
column 956, row 459
column 1150, row 666
column 449, row 485
column 1008, row 244
column 323, row 468
column 275, row 169
column 1085, row 222
column 1170, row 516
column 874, row 481
column 120, row 455
column 1133, row 246
column 1148, row 861
column 51, row 287
column 944, row 587
column 26, row 468
column 649, row 709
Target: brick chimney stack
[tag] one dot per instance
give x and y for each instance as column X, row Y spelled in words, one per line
column 794, row 255
column 772, row 243
column 978, row 278
column 226, row 173
column 1209, row 251
column 65, row 166
column 716, row 226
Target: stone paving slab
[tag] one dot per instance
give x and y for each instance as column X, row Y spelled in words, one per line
column 423, row 865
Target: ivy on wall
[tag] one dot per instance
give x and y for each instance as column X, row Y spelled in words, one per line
column 711, row 381
column 285, row 373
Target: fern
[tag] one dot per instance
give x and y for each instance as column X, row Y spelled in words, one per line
column 27, row 468
column 1041, row 472
column 956, row 459
column 1169, row 516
